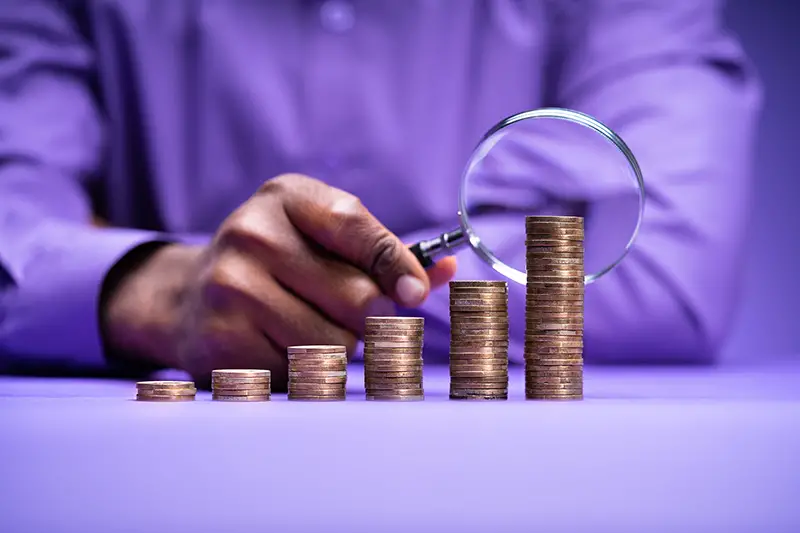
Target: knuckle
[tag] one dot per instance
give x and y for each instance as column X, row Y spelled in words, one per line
column 244, row 232
column 220, row 285
column 345, row 212
column 275, row 184
column 283, row 182
column 386, row 255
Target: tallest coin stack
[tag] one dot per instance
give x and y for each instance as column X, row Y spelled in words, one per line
column 554, row 308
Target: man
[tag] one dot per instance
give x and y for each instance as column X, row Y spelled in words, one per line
column 262, row 165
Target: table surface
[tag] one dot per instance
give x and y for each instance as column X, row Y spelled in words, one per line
column 692, row 449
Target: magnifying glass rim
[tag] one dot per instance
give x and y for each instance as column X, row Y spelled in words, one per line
column 487, row 143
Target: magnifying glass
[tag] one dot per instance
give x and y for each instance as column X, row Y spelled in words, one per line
column 531, row 160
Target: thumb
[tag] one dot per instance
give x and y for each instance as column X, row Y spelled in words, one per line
column 443, row 271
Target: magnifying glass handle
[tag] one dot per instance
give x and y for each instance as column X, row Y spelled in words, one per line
column 428, row 250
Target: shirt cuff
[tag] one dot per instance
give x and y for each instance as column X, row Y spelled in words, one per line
column 52, row 313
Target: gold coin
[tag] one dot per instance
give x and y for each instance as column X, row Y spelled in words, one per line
column 553, row 219
column 567, row 380
column 240, row 392
column 478, row 284
column 538, row 301
column 467, row 380
column 535, row 345
column 486, row 369
column 380, row 382
column 564, row 360
column 414, row 398
column 394, row 332
column 480, row 295
column 299, row 377
column 398, row 391
column 416, row 375
column 460, row 393
column 166, row 391
column 570, row 236
column 179, row 385
column 225, row 398
column 305, row 367
column 542, row 253
column 394, row 351
column 238, row 373
column 533, row 396
column 379, row 368
column 167, row 398
column 313, row 398
column 410, row 360
column 241, row 381
column 549, row 261
column 319, row 374
column 549, row 352
column 317, row 349
column 574, row 307
column 480, row 353
column 402, row 332
column 395, row 320
column 489, row 305
column 543, row 275
column 239, row 386
column 533, row 318
column 554, row 290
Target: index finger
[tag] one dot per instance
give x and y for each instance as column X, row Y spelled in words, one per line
column 340, row 223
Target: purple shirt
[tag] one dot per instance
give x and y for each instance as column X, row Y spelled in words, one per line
column 163, row 116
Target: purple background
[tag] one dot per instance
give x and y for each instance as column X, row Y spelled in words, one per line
column 768, row 322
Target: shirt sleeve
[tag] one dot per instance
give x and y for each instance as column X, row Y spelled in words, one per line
column 667, row 78
column 52, row 261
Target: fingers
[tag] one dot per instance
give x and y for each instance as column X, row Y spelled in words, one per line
column 442, row 272
column 340, row 291
column 227, row 339
column 236, row 284
column 340, row 223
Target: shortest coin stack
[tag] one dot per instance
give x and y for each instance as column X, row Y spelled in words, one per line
column 240, row 385
column 165, row 391
column 317, row 372
column 393, row 358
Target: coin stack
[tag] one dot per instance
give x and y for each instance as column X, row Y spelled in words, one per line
column 478, row 340
column 165, row 391
column 393, row 358
column 554, row 308
column 240, row 385
column 317, row 372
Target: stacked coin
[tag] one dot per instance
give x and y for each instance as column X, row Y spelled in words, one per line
column 165, row 391
column 393, row 358
column 240, row 385
column 554, row 308
column 317, row 372
column 478, row 340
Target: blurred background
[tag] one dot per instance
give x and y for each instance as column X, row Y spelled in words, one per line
column 768, row 321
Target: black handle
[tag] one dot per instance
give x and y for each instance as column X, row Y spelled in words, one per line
column 421, row 256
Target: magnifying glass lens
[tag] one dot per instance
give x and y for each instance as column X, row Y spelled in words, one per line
column 550, row 162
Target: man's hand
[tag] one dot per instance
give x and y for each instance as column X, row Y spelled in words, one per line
column 299, row 263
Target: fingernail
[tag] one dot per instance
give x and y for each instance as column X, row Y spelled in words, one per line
column 410, row 290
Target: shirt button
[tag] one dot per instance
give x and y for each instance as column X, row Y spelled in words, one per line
column 337, row 16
